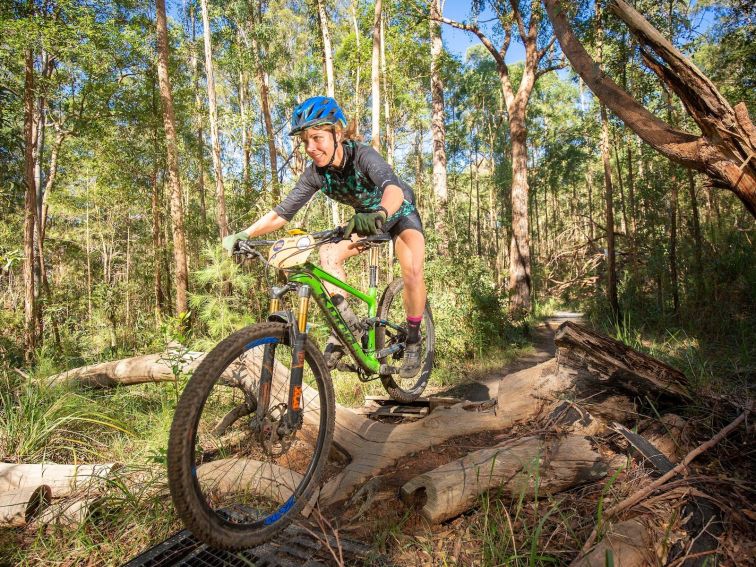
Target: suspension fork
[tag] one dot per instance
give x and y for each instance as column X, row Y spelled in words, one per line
column 269, row 355
column 294, row 410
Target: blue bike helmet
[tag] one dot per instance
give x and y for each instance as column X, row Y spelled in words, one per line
column 316, row 111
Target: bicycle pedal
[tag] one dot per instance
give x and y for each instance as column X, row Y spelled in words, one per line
column 387, row 370
column 346, row 367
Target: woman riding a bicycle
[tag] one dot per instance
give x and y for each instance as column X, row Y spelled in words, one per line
column 354, row 174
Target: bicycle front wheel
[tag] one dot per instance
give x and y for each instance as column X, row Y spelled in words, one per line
column 391, row 308
column 237, row 473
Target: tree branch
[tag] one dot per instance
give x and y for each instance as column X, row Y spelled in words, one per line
column 520, row 23
column 499, row 57
column 675, row 144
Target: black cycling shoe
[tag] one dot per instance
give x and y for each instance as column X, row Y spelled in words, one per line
column 333, row 351
column 410, row 361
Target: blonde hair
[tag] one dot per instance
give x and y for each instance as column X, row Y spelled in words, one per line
column 347, row 133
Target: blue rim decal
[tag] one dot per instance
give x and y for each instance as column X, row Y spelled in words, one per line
column 275, row 516
column 263, row 341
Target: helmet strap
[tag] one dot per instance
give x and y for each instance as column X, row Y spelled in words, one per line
column 335, row 147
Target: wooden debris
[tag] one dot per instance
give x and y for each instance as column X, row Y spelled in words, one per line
column 639, row 495
column 548, row 465
column 63, row 480
column 19, row 507
column 627, row 544
column 610, row 361
column 129, row 371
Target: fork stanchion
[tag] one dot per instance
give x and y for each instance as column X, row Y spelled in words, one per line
column 294, row 412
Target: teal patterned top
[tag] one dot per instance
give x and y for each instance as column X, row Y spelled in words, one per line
column 359, row 183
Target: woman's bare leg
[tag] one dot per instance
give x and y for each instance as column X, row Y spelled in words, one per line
column 410, row 250
column 332, row 257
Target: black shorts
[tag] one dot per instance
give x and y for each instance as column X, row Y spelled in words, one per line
column 397, row 226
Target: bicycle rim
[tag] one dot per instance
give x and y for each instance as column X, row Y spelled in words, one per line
column 236, row 476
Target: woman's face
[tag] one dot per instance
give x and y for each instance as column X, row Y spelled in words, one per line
column 319, row 145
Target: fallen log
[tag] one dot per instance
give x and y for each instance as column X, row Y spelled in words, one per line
column 541, row 464
column 610, row 361
column 62, row 479
column 68, row 511
column 129, row 371
column 592, row 382
column 226, row 475
column 21, row 506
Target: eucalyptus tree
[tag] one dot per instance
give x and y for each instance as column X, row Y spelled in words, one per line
column 375, row 131
column 524, row 19
column 438, row 127
column 220, row 192
column 171, row 143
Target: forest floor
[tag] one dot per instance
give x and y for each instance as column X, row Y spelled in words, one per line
column 499, row 530
column 509, row 530
column 480, row 386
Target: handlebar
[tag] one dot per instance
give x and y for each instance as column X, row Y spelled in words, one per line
column 322, row 237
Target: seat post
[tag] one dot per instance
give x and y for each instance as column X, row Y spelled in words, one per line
column 373, row 261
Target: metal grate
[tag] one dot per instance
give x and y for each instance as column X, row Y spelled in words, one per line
column 294, row 547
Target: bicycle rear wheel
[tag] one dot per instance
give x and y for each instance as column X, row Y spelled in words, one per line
column 391, row 308
column 237, row 476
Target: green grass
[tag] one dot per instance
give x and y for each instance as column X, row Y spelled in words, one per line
column 128, row 426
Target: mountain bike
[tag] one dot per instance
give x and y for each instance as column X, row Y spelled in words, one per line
column 253, row 428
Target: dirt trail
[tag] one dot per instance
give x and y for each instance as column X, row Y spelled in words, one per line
column 542, row 337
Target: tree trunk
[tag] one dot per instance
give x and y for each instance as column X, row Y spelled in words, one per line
column 478, row 239
column 169, row 123
column 262, row 85
column 375, row 76
column 220, row 193
column 157, row 249
column 519, row 254
column 611, row 255
column 357, row 102
column 386, row 98
column 246, row 151
column 618, row 164
column 673, row 247
column 330, row 86
column 128, row 270
column 520, row 282
column 88, row 250
column 198, row 115
column 438, row 127
column 697, row 237
column 30, row 208
column 327, row 50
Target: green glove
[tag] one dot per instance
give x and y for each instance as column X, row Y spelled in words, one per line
column 230, row 241
column 365, row 224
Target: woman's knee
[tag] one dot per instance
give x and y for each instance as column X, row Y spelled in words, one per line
column 413, row 275
column 329, row 256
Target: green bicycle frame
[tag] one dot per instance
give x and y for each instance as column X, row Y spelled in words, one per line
column 314, row 276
